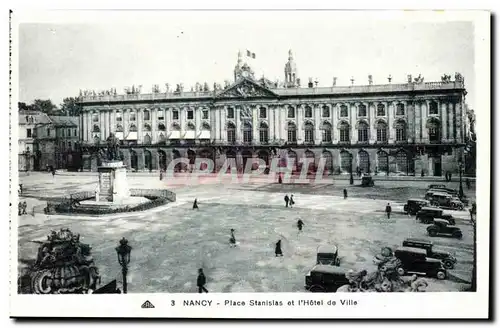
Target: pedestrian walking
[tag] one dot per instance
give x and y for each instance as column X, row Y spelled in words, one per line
column 388, row 210
column 53, row 172
column 161, row 175
column 195, row 204
column 232, row 239
column 20, row 208
column 467, row 183
column 345, row 193
column 300, row 224
column 201, row 281
column 287, row 199
column 278, row 250
column 280, row 179
column 20, row 189
column 291, row 201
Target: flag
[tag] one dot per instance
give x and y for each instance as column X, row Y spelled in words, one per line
column 250, row 54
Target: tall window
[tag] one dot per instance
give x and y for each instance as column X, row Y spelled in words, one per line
column 325, row 111
column 161, row 114
column 344, row 132
column 362, row 110
column 434, row 131
column 95, row 117
column 263, row 133
column 433, row 108
column 146, row 115
column 343, row 111
column 247, row 132
column 400, row 131
column 132, row 116
column 69, row 133
column 291, row 112
column 380, row 110
column 147, row 139
column 28, row 133
column 400, row 109
column 118, row 116
column 175, row 114
column 205, row 114
column 262, row 112
column 309, row 133
column 308, row 112
column 190, row 114
column 363, row 132
column 95, row 129
column 230, row 112
column 74, row 132
column 326, row 132
column 292, row 132
column 381, row 132
column 231, row 133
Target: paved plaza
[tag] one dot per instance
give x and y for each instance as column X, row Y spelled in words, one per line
column 171, row 242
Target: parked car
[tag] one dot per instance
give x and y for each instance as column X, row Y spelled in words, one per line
column 452, row 192
column 446, row 258
column 325, row 279
column 414, row 205
column 445, row 200
column 436, row 186
column 415, row 261
column 327, row 255
column 441, row 227
column 428, row 214
column 367, row 181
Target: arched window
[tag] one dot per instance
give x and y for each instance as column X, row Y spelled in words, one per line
column 263, row 133
column 133, row 128
column 344, row 132
column 146, row 115
column 380, row 110
column 308, row 112
column 433, row 108
column 362, row 110
column 247, row 132
column 147, row 139
column 326, row 131
column 326, row 111
column 362, row 132
column 345, row 161
column 262, row 112
column 95, row 117
column 231, row 133
column 382, row 161
column 291, row 112
column 161, row 127
column 309, row 132
column 292, row 132
column 96, row 129
column 434, row 129
column 147, row 127
column 175, row 114
column 119, row 128
column 402, row 162
column 343, row 111
column 400, row 109
column 161, row 114
column 381, row 132
column 364, row 161
column 400, row 131
column 132, row 116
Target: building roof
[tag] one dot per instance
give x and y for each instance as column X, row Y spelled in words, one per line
column 38, row 117
column 64, row 121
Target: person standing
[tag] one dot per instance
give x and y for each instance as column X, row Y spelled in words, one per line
column 201, row 281
column 287, row 199
column 280, row 179
column 345, row 193
column 278, row 250
column 195, row 204
column 388, row 210
column 20, row 208
column 467, row 183
column 300, row 224
column 291, row 201
column 232, row 239
column 161, row 174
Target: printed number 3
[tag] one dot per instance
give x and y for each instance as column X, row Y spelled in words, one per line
column 173, row 303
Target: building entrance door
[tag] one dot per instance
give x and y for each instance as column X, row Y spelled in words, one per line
column 437, row 166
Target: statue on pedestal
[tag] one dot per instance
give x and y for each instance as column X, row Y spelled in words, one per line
column 113, row 148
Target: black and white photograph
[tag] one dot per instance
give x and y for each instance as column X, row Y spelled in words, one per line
column 276, row 162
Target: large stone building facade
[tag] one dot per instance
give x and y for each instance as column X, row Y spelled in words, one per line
column 411, row 128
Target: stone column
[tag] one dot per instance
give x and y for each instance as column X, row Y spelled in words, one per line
column 370, row 107
column 239, row 134
column 272, row 129
column 182, row 119
column 126, row 122
column 335, row 120
column 423, row 122
column 300, row 124
column 255, row 124
column 140, row 121
column 223, row 123
column 389, row 107
column 101, row 124
column 154, row 126
column 282, row 122
column 317, row 110
column 168, row 120
column 90, row 127
column 451, row 122
column 140, row 159
column 418, row 121
column 84, row 130
column 444, row 123
column 352, row 119
column 459, row 124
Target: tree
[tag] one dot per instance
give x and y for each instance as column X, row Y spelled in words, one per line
column 70, row 106
column 45, row 106
column 24, row 106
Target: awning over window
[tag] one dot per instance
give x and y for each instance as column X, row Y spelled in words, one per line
column 119, row 135
column 204, row 134
column 189, row 134
column 175, row 135
column 132, row 136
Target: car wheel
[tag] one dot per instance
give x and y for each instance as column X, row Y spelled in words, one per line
column 432, row 232
column 401, row 271
column 448, row 264
column 441, row 275
column 457, row 234
column 316, row 289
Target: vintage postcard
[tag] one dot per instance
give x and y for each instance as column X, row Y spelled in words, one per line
column 250, row 164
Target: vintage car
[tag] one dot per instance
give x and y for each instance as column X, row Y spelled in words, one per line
column 326, row 279
column 443, row 199
column 441, row 227
column 446, row 258
column 327, row 255
column 428, row 214
column 367, row 181
column 436, row 186
column 415, row 261
column 414, row 205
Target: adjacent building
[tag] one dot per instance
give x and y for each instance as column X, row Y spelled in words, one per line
column 411, row 128
column 28, row 154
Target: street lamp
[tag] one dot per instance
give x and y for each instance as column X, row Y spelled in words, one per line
column 461, row 189
column 123, row 252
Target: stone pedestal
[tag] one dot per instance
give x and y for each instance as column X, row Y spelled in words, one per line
column 113, row 184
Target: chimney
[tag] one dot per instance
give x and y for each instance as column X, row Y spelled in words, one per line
column 310, row 84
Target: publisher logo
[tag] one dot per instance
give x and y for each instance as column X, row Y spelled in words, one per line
column 147, row 305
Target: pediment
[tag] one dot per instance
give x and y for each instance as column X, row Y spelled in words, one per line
column 246, row 88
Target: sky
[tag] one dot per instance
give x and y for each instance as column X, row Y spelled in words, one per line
column 58, row 58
